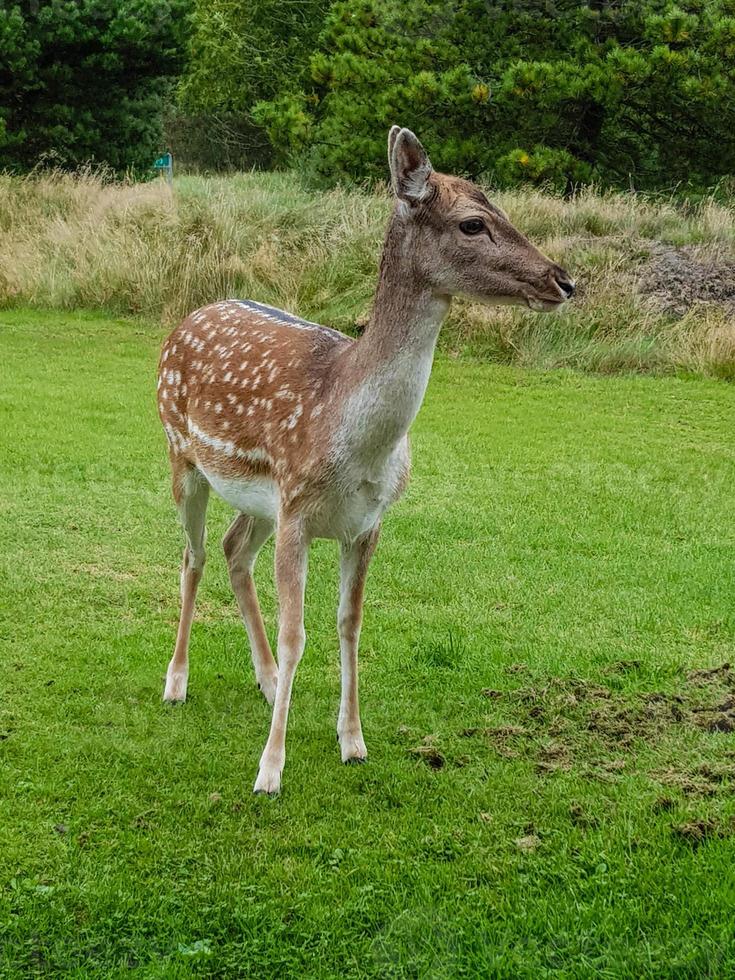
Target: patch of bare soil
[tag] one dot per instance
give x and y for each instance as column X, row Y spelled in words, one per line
column 663, row 804
column 703, row 780
column 428, row 752
column 677, row 278
column 696, row 832
column 580, row 818
column 707, row 674
column 570, row 724
column 720, row 716
column 528, row 843
column 566, row 706
column 505, row 740
column 552, row 757
column 567, row 723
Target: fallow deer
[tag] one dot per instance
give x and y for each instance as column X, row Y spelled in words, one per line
column 303, row 430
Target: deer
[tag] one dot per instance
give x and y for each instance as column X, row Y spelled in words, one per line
column 304, row 430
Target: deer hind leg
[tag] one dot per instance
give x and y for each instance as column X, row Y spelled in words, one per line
column 191, row 493
column 291, row 555
column 244, row 539
column 354, row 562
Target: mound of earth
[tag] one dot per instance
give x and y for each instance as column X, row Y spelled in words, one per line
column 678, row 278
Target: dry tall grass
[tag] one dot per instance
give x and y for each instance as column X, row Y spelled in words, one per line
column 83, row 241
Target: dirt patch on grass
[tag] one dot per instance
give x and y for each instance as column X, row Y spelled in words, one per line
column 679, row 278
column 570, row 706
column 566, row 724
column 429, row 753
column 553, row 757
column 696, row 832
column 580, row 818
column 528, row 843
column 696, row 781
column 603, row 731
column 718, row 716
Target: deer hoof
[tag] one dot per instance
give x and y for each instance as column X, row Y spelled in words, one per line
column 268, row 783
column 353, row 749
column 268, row 686
column 175, row 689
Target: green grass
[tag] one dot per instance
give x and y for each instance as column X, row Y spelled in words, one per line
column 566, row 542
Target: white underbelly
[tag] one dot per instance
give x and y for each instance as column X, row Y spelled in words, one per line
column 256, row 496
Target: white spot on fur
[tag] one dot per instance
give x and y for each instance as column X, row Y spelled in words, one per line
column 178, row 440
column 293, row 418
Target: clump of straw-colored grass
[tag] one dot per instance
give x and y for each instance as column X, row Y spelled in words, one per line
column 85, row 241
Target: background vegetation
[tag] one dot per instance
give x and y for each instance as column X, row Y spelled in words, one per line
column 656, row 278
column 84, row 80
column 562, row 93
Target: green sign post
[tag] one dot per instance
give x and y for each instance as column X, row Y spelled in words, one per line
column 166, row 165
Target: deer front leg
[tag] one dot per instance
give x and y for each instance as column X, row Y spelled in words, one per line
column 291, row 556
column 354, row 561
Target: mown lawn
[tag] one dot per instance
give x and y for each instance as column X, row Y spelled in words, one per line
column 550, row 789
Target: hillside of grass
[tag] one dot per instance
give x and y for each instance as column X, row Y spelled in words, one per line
column 545, row 689
column 656, row 277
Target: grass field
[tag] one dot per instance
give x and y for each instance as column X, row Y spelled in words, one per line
column 551, row 782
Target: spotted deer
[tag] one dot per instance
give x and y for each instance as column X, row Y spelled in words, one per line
column 304, row 431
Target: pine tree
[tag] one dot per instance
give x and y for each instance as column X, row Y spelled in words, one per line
column 85, row 80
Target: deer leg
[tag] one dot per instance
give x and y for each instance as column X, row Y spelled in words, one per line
column 244, row 539
column 354, row 561
column 291, row 557
column 191, row 492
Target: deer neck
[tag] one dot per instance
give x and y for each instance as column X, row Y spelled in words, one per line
column 391, row 363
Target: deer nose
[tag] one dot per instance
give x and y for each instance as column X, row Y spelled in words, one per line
column 566, row 285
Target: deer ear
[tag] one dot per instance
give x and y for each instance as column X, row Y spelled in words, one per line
column 410, row 167
column 394, row 131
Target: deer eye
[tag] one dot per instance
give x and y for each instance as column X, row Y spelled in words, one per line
column 473, row 226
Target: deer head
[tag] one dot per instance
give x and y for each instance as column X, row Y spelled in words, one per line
column 461, row 244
